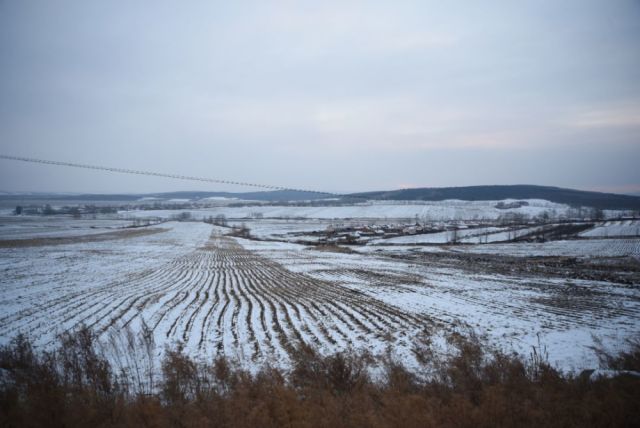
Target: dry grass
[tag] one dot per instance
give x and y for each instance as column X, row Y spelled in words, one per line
column 332, row 248
column 65, row 240
column 74, row 386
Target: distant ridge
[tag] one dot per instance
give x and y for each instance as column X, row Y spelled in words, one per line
column 273, row 196
column 520, row 191
column 470, row 193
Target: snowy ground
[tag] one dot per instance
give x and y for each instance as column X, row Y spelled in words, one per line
column 190, row 284
column 252, row 300
column 514, row 312
column 426, row 211
column 617, row 247
column 474, row 235
column 614, row 228
column 23, row 227
column 285, row 230
column 46, row 290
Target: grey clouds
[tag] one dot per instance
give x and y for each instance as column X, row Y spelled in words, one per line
column 337, row 96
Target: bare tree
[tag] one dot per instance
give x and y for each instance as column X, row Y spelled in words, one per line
column 221, row 220
column 597, row 214
column 453, row 236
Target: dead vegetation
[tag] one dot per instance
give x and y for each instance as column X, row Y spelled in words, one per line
column 332, row 248
column 75, row 386
column 65, row 240
column 623, row 270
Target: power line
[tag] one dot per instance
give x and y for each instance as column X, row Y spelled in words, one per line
column 161, row 174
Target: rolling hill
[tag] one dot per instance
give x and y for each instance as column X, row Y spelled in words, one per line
column 483, row 193
column 470, row 193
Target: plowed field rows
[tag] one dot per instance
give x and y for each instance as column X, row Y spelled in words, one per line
column 221, row 299
column 255, row 301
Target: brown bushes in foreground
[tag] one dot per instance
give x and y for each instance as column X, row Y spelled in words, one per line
column 75, row 386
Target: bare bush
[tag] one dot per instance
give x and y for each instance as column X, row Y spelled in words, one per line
column 75, row 386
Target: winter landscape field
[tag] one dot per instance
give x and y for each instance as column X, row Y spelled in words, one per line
column 252, row 283
column 323, row 214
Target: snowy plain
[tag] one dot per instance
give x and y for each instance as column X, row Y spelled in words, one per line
column 30, row 227
column 620, row 228
column 251, row 300
column 376, row 210
column 512, row 312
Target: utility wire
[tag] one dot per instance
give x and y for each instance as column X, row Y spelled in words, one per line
column 161, row 174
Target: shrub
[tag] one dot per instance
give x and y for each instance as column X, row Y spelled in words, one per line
column 76, row 386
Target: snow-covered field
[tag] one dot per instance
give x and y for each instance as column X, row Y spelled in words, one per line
column 23, row 227
column 46, row 290
column 512, row 312
column 253, row 300
column 614, row 228
column 618, row 247
column 427, row 211
column 468, row 236
column 193, row 285
column 284, row 229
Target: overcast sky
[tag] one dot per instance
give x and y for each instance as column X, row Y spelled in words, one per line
column 338, row 96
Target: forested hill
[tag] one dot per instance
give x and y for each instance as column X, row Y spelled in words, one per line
column 470, row 193
column 483, row 193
